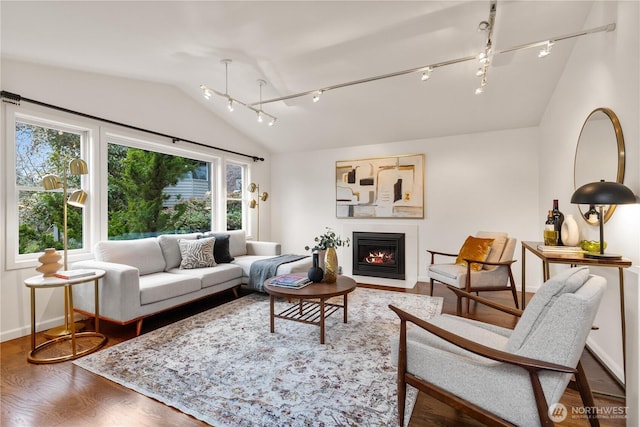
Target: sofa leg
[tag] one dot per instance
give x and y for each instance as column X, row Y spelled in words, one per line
column 139, row 327
column 235, row 292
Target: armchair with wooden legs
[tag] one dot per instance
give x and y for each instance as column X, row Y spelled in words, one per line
column 491, row 272
column 500, row 376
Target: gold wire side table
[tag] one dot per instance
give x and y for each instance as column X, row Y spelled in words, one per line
column 76, row 339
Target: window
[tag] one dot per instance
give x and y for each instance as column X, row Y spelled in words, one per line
column 152, row 193
column 236, row 215
column 41, row 149
column 136, row 187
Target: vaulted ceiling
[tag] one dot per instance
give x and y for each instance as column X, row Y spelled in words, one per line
column 299, row 46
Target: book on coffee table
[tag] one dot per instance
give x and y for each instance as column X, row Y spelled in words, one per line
column 290, row 281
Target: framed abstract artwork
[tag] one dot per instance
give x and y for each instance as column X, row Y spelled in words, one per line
column 381, row 187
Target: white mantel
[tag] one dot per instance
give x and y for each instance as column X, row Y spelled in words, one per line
column 411, row 252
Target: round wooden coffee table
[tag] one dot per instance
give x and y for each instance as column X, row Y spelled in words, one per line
column 307, row 310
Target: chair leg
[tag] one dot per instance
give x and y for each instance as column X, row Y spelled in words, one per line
column 431, row 287
column 402, row 370
column 585, row 394
column 513, row 289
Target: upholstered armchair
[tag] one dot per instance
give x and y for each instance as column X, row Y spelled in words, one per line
column 483, row 264
column 497, row 375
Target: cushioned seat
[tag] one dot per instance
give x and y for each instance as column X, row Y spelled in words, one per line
column 491, row 270
column 161, row 286
column 499, row 376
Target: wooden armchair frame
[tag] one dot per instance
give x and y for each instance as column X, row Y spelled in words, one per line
column 510, row 286
column 532, row 366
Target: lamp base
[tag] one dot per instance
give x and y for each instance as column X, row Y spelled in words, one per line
column 597, row 255
column 60, row 331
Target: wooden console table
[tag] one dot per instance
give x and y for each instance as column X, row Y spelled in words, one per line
column 574, row 259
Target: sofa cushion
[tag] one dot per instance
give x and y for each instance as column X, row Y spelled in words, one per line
column 221, row 273
column 143, row 254
column 162, row 286
column 474, row 248
column 221, row 247
column 197, row 253
column 237, row 243
column 497, row 248
column 171, row 250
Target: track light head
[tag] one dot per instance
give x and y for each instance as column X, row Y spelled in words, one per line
column 316, row 95
column 427, row 74
column 230, row 104
column 545, row 51
column 260, row 117
column 272, row 122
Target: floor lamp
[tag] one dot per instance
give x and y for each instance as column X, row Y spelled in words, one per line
column 255, row 203
column 77, row 198
column 600, row 194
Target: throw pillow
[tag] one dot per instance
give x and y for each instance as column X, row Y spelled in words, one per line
column 197, row 253
column 221, row 251
column 474, row 248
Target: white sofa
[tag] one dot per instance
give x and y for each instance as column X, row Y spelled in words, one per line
column 143, row 277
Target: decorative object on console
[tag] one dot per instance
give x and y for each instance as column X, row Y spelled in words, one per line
column 600, row 194
column 550, row 233
column 558, row 219
column 255, row 203
column 384, row 187
column 315, row 273
column 77, row 198
column 50, row 264
column 570, row 233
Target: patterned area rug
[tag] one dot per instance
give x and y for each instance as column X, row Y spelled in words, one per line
column 225, row 368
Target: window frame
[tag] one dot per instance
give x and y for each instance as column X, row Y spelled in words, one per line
column 244, row 195
column 94, row 152
column 65, row 123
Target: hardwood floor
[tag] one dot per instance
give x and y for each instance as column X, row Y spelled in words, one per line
column 63, row 394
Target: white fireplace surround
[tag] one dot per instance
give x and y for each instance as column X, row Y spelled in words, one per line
column 411, row 252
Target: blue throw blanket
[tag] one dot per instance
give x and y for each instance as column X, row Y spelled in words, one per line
column 263, row 269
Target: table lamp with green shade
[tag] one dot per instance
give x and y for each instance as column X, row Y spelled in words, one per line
column 600, row 194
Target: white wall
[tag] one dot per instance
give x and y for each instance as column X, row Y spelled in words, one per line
column 602, row 72
column 486, row 181
column 158, row 107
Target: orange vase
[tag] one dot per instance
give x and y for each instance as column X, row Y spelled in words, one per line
column 50, row 264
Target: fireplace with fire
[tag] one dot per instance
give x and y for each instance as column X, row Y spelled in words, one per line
column 378, row 255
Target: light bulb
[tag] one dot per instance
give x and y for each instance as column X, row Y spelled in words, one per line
column 259, row 116
column 316, row 96
column 230, row 105
column 479, row 90
column 479, row 72
column 272, row 122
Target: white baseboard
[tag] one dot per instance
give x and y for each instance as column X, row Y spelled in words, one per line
column 42, row 326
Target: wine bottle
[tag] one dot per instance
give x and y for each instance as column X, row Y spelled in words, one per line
column 550, row 233
column 558, row 219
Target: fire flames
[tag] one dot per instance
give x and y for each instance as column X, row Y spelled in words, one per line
column 379, row 257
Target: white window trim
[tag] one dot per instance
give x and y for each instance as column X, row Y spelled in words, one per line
column 94, row 152
column 64, row 122
column 247, row 224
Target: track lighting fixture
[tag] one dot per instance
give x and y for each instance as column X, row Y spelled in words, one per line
column 231, row 101
column 484, row 58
